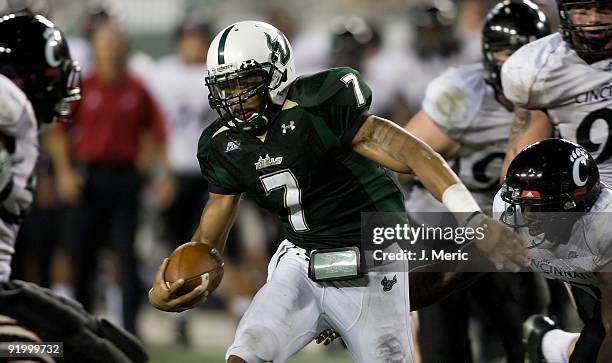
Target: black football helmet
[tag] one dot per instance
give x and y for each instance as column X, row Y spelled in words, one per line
column 434, row 24
column 35, row 55
column 546, row 180
column 510, row 25
column 591, row 46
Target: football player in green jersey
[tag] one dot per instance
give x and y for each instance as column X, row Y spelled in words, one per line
column 307, row 149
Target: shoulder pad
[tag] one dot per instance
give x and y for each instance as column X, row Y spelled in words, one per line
column 13, row 103
column 318, row 88
column 525, row 67
column 453, row 99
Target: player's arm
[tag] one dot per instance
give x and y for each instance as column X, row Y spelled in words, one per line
column 216, row 221
column 528, row 127
column 388, row 144
column 424, row 128
column 605, row 351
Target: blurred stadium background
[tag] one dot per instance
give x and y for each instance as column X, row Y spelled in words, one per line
column 314, row 28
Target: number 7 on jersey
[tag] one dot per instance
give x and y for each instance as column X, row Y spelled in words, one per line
column 285, row 180
column 350, row 79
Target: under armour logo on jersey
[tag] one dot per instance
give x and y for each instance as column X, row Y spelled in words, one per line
column 267, row 161
column 290, row 127
column 232, row 145
column 578, row 157
column 388, row 284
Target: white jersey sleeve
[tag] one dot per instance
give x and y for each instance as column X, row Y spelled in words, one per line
column 14, row 107
column 531, row 77
column 454, row 98
column 598, row 229
column 17, row 121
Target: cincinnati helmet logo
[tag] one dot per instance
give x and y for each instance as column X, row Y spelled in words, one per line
column 53, row 37
column 578, row 157
column 279, row 47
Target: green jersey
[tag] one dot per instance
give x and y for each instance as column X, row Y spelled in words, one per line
column 304, row 169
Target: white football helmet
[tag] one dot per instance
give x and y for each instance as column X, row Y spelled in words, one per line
column 250, row 66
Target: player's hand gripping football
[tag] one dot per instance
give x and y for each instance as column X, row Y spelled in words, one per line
column 168, row 298
column 501, row 245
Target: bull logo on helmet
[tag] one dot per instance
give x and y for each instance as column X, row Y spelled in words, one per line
column 279, row 47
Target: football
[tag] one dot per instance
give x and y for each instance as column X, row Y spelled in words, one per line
column 198, row 264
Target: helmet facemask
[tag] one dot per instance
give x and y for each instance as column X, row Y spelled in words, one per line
column 549, row 218
column 70, row 99
column 590, row 38
column 250, row 69
column 57, row 95
column 241, row 97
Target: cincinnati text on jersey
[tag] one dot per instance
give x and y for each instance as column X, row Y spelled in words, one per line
column 600, row 94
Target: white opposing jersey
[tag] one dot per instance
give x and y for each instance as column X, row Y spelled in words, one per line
column 17, row 121
column 547, row 74
column 179, row 89
column 464, row 107
column 589, row 248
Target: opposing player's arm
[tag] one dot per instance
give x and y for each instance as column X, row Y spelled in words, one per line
column 605, row 351
column 424, row 128
column 388, row 144
column 528, row 127
column 217, row 219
